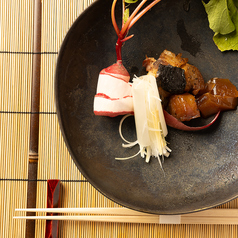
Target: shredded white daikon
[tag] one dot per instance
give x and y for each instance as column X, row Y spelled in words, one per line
column 150, row 123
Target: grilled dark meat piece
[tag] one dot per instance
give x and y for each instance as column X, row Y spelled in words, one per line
column 171, row 79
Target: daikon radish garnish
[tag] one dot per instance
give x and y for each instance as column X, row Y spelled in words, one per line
column 114, row 93
column 150, row 123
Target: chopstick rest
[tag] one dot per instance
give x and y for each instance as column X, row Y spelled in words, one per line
column 53, row 201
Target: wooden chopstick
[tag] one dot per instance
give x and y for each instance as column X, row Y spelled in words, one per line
column 90, row 210
column 124, row 215
column 127, row 219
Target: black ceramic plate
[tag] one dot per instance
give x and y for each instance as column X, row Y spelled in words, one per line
column 202, row 170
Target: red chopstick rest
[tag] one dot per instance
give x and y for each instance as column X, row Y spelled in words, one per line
column 53, row 201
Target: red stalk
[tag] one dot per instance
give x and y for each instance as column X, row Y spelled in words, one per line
column 127, row 38
column 123, row 11
column 134, row 17
column 114, row 19
column 118, row 49
column 175, row 123
column 139, row 15
column 125, row 29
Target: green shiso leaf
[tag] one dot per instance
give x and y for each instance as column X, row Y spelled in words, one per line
column 223, row 20
column 127, row 11
column 219, row 16
column 126, row 15
column 131, row 1
column 226, row 42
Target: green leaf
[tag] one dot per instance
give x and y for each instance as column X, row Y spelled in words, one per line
column 220, row 20
column 127, row 11
column 229, row 41
column 226, row 42
column 131, row 1
column 126, row 15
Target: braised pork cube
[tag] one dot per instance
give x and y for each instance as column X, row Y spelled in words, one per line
column 222, row 87
column 194, row 79
column 210, row 104
column 221, row 95
column 183, row 107
column 171, row 79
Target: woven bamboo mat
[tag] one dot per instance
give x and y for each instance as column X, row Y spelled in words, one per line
column 54, row 161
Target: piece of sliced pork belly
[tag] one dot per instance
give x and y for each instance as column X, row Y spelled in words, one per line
column 113, row 87
column 117, row 70
column 112, row 107
column 114, row 94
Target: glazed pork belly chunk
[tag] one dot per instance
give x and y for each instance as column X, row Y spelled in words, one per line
column 219, row 95
column 183, row 107
column 187, row 78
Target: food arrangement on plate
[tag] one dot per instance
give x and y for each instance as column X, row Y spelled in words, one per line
column 202, row 168
column 173, row 91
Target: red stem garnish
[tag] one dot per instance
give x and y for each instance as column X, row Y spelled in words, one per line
column 139, row 15
column 134, row 17
column 175, row 123
column 118, row 49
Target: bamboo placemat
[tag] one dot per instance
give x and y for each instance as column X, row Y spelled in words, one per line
column 16, row 73
column 16, row 20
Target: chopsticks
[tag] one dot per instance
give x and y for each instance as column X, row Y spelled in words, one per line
column 125, row 215
column 86, row 210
